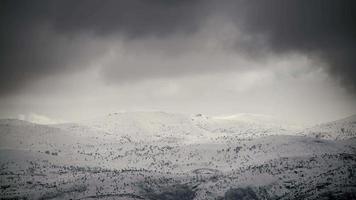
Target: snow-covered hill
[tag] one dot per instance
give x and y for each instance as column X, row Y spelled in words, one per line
column 157, row 155
column 335, row 130
column 245, row 125
column 149, row 126
column 181, row 127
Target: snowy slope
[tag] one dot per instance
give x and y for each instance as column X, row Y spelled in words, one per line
column 148, row 126
column 157, row 155
column 18, row 134
column 180, row 127
column 335, row 130
column 245, row 125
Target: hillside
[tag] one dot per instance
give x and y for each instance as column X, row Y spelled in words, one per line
column 156, row 155
column 187, row 128
column 335, row 130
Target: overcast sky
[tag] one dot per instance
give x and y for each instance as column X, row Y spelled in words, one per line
column 72, row 60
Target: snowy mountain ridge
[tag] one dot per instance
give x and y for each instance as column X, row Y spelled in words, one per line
column 192, row 128
column 157, row 155
column 336, row 130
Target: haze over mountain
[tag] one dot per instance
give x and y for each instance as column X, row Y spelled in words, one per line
column 228, row 99
column 65, row 61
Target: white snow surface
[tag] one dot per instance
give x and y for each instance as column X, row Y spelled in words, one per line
column 336, row 130
column 149, row 155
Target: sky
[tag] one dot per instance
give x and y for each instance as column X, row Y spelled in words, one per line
column 64, row 60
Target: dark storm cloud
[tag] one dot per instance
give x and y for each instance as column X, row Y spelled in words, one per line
column 324, row 29
column 44, row 38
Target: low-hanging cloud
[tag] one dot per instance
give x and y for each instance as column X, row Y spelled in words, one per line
column 323, row 29
column 46, row 38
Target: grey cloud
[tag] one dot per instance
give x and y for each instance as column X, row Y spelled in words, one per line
column 41, row 53
column 44, row 38
column 134, row 18
column 321, row 28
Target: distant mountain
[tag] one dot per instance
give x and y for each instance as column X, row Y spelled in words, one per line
column 335, row 130
column 148, row 126
column 245, row 125
column 182, row 127
column 19, row 134
column 158, row 155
